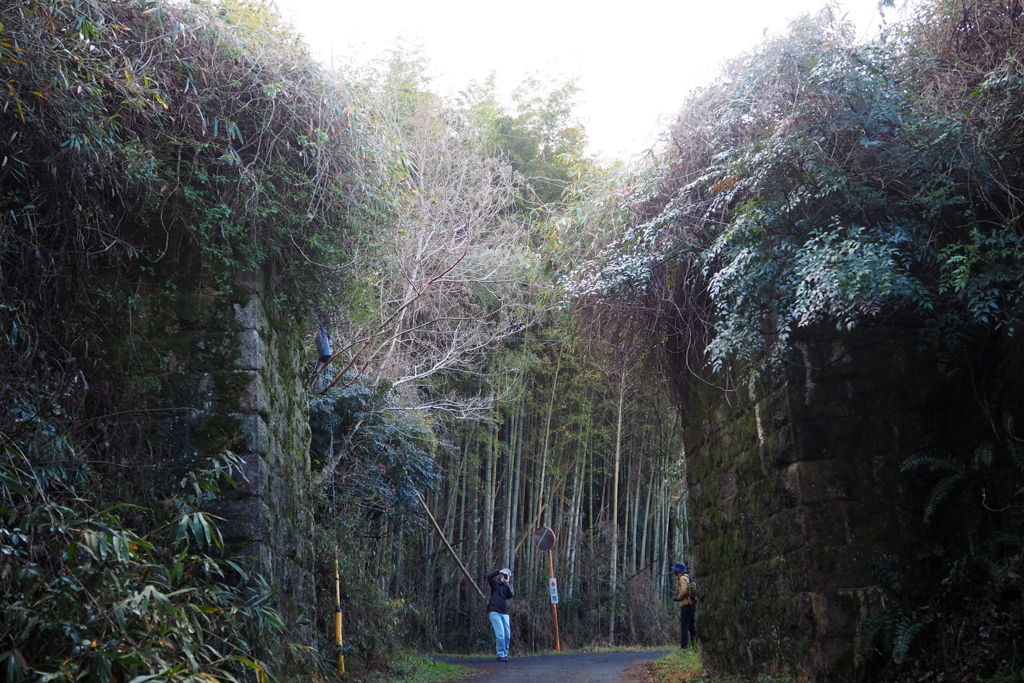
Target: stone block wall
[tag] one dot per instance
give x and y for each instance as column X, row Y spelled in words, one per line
column 228, row 376
column 796, row 495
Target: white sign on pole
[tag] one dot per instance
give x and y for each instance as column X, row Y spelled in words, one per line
column 553, row 586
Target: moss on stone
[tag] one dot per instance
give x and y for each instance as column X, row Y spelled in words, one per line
column 218, row 433
column 826, row 560
column 229, row 387
column 769, row 532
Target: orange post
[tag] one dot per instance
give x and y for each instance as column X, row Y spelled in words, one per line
column 544, row 538
column 554, row 606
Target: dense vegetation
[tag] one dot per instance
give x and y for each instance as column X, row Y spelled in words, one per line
column 828, row 182
column 146, row 148
column 530, row 415
column 499, row 307
column 154, row 152
column 825, row 184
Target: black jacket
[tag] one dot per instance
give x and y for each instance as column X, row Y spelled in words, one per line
column 501, row 594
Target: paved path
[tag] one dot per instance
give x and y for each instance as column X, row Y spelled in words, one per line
column 607, row 667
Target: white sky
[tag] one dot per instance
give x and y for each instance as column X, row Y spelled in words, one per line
column 635, row 60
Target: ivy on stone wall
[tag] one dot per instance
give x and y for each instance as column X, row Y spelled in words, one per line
column 154, row 158
column 825, row 181
column 181, row 138
column 821, row 183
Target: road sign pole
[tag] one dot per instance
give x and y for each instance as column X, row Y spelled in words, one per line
column 544, row 538
column 554, row 601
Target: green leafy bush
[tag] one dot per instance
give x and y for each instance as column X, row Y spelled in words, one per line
column 153, row 154
column 85, row 597
column 821, row 181
column 202, row 140
column 377, row 462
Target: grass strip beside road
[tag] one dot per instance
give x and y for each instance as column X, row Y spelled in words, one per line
column 416, row 668
column 681, row 666
column 687, row 666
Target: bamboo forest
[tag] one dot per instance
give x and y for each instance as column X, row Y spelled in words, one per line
column 324, row 372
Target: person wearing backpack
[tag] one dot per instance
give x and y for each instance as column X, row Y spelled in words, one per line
column 687, row 599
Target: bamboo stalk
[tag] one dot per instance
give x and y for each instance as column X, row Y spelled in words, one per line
column 449, row 545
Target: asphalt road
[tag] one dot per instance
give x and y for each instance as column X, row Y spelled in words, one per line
column 607, row 667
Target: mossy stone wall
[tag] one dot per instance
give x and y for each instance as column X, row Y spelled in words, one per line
column 796, row 494
column 226, row 374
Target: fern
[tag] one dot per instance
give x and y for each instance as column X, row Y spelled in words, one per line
column 887, row 577
column 877, row 628
column 982, row 456
column 1016, row 456
column 997, row 571
column 940, row 493
column 931, row 464
column 906, row 631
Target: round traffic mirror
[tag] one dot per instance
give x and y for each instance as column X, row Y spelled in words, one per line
column 544, row 538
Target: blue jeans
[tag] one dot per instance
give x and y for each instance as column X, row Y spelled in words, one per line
column 502, row 633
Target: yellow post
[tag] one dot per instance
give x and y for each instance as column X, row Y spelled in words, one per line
column 339, row 638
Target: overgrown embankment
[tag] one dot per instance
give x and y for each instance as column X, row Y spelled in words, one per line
column 831, row 241
column 175, row 183
column 183, row 194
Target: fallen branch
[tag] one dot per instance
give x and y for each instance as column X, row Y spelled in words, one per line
column 449, row 545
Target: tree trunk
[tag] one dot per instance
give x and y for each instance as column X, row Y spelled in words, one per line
column 573, row 528
column 515, row 495
column 647, row 520
column 547, row 441
column 613, row 574
column 488, row 520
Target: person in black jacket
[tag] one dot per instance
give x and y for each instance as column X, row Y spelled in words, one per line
column 497, row 610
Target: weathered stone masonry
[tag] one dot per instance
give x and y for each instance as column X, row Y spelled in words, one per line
column 232, row 379
column 796, row 495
